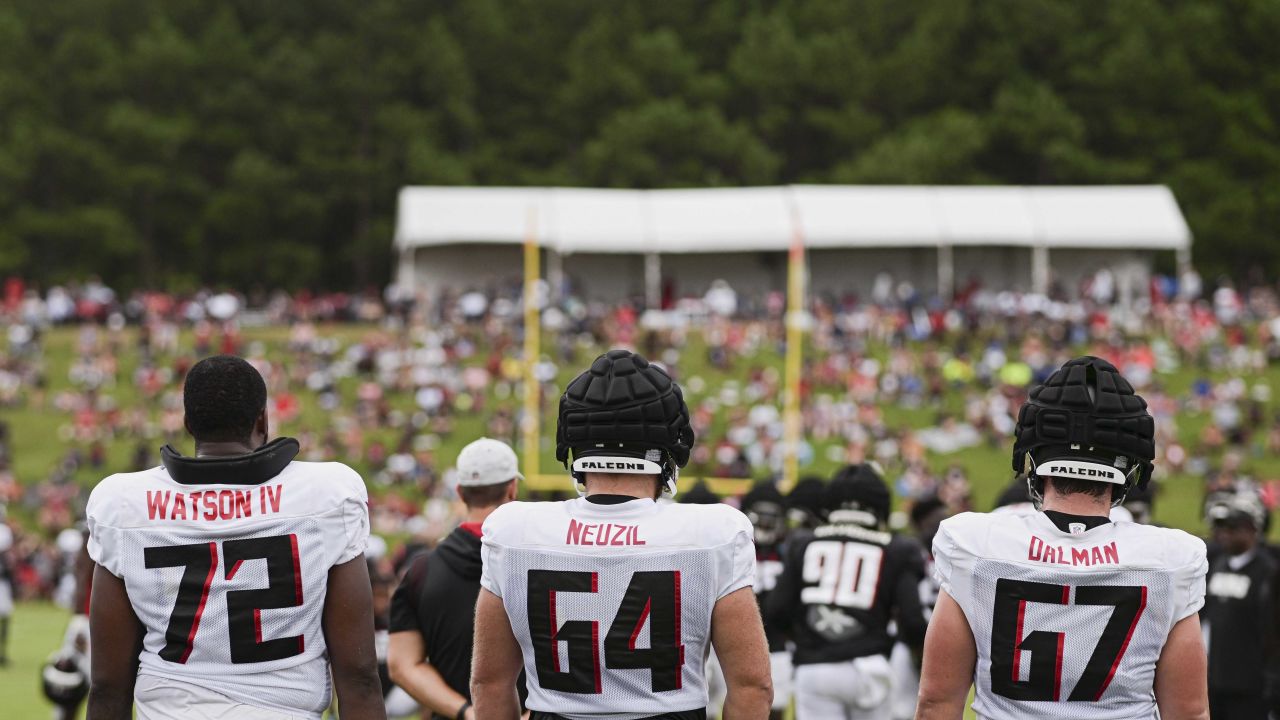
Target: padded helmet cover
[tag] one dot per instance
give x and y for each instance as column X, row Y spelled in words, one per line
column 1086, row 409
column 859, row 487
column 624, row 402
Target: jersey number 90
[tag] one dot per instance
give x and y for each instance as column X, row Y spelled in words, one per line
column 841, row 573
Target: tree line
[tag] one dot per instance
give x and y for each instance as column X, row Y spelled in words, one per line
column 170, row 143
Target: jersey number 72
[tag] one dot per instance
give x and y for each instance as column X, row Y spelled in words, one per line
column 244, row 607
column 1044, row 679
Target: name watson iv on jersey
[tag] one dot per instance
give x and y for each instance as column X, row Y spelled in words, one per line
column 229, row 578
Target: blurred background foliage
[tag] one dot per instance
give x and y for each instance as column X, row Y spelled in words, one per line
column 171, row 143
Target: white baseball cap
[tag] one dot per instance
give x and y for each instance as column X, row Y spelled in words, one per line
column 487, row 462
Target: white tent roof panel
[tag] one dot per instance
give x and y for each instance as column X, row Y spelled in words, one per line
column 720, row 220
column 1094, row 217
column 765, row 218
column 833, row 217
column 591, row 220
column 450, row 215
column 985, row 216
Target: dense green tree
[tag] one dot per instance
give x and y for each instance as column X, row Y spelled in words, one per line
column 175, row 142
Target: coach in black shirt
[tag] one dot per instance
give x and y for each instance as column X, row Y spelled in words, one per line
column 433, row 609
column 1237, row 609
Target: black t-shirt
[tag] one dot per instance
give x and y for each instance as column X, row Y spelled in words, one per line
column 768, row 570
column 1239, row 612
column 840, row 587
column 437, row 598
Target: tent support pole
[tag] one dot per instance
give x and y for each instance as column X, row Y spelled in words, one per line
column 555, row 274
column 946, row 273
column 1040, row 269
column 653, row 281
column 530, row 430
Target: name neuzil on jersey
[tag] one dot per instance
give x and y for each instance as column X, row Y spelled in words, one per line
column 602, row 534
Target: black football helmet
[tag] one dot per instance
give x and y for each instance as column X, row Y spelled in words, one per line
column 805, row 508
column 765, row 507
column 63, row 681
column 858, row 494
column 1085, row 422
column 624, row 415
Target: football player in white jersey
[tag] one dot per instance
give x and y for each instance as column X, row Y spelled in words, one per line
column 1063, row 613
column 611, row 601
column 228, row 583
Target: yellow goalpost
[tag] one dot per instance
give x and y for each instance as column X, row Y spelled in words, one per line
column 531, row 424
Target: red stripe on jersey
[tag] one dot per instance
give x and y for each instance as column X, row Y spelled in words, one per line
column 679, row 670
column 555, row 646
column 1115, row 664
column 595, row 651
column 204, row 597
column 595, row 634
column 644, row 615
column 1017, row 641
column 297, row 570
column 297, row 584
column 1057, row 668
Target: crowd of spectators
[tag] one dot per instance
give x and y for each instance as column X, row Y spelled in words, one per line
column 894, row 377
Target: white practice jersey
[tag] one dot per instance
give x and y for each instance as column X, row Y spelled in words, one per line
column 612, row 603
column 230, row 579
column 1067, row 625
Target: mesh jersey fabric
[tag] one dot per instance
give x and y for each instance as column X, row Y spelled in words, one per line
column 242, row 569
column 1067, row 625
column 612, row 604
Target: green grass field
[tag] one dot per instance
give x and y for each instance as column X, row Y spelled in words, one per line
column 35, row 631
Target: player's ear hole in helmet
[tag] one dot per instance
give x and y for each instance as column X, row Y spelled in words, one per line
column 624, row 415
column 858, row 494
column 765, row 507
column 1085, row 430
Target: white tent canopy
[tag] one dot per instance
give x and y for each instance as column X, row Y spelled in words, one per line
column 994, row 230
column 571, row 220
